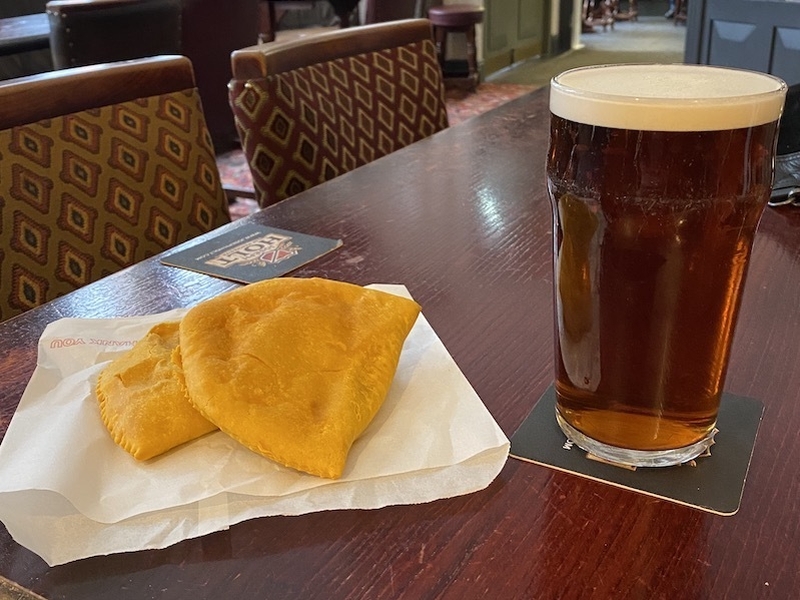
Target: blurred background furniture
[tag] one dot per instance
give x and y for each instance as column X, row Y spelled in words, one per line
column 85, row 33
column 268, row 15
column 344, row 10
column 103, row 166
column 599, row 12
column 380, row 11
column 631, row 14
column 457, row 18
column 23, row 33
column 511, row 30
column 18, row 61
column 206, row 31
column 308, row 110
column 273, row 15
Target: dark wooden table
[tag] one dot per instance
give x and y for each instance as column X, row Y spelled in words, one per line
column 463, row 220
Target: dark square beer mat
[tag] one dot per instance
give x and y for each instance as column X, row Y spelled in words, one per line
column 715, row 484
column 252, row 252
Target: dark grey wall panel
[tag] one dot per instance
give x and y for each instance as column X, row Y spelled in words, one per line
column 763, row 35
column 786, row 53
column 734, row 44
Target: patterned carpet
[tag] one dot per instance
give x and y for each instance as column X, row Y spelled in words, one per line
column 460, row 107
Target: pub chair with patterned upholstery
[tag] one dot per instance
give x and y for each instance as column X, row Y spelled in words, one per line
column 100, row 167
column 312, row 109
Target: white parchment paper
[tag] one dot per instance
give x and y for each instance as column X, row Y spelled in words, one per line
column 67, row 491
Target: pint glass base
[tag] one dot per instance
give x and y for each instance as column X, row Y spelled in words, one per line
column 635, row 458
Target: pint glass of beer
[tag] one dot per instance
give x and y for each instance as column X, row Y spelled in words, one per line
column 658, row 176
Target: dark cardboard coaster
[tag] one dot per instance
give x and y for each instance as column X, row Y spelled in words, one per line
column 252, row 252
column 715, row 484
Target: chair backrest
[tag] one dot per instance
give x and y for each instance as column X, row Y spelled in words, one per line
column 85, row 33
column 100, row 167
column 314, row 108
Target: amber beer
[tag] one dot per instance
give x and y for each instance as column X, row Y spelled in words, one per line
column 658, row 176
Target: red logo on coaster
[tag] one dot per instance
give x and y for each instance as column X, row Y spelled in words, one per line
column 281, row 253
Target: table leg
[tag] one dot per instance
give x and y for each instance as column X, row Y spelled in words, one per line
column 472, row 57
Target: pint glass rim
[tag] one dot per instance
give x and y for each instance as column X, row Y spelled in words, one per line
column 693, row 97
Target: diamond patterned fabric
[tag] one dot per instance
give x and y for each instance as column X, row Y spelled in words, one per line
column 86, row 194
column 309, row 125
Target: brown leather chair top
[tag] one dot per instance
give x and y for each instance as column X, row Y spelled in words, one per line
column 319, row 106
column 262, row 60
column 47, row 95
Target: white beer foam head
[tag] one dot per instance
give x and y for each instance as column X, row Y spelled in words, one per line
column 667, row 97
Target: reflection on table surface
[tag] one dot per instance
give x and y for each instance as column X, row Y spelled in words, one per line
column 462, row 219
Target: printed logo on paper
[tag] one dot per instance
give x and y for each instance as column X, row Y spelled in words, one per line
column 270, row 249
